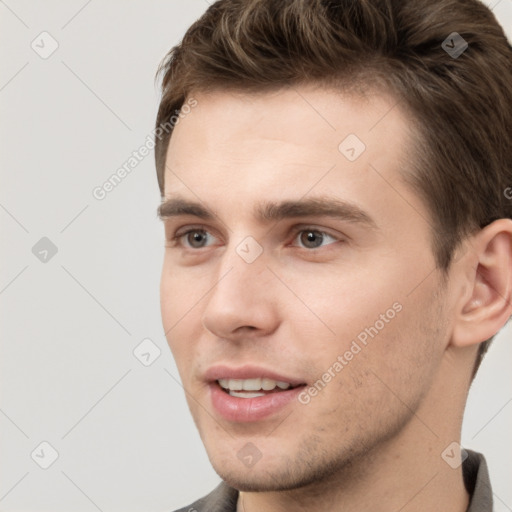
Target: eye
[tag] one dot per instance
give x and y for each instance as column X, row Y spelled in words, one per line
column 313, row 238
column 196, row 238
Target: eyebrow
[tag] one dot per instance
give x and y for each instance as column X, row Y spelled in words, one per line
column 175, row 207
column 274, row 211
column 315, row 207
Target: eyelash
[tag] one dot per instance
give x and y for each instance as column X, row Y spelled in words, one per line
column 180, row 235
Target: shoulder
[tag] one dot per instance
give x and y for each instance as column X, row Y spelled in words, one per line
column 477, row 482
column 222, row 499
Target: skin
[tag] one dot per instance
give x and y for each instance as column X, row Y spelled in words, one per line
column 372, row 438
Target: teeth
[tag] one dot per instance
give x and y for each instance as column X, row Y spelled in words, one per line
column 224, row 383
column 245, row 394
column 268, row 384
column 236, row 384
column 252, row 384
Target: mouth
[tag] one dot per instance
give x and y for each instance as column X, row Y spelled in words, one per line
column 249, row 393
column 254, row 388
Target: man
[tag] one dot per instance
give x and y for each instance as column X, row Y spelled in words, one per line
column 339, row 246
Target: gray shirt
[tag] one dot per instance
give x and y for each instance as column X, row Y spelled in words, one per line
column 474, row 469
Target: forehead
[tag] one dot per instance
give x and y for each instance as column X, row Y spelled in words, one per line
column 292, row 138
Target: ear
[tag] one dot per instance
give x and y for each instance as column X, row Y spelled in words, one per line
column 486, row 306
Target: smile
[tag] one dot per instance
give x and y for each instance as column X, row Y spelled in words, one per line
column 252, row 388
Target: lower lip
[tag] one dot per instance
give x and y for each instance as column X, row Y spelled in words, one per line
column 237, row 409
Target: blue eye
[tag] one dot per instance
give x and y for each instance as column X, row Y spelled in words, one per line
column 312, row 238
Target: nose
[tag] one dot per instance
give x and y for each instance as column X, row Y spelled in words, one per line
column 243, row 303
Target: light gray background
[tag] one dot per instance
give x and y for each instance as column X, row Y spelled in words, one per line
column 124, row 436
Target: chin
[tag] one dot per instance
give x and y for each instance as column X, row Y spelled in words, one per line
column 260, row 481
column 280, row 474
column 267, row 474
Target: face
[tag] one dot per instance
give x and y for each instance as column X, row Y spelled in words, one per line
column 299, row 293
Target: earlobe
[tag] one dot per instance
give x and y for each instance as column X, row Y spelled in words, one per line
column 489, row 305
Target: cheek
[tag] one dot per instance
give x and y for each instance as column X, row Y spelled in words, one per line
column 404, row 356
column 180, row 304
column 342, row 309
column 367, row 322
column 181, row 293
column 393, row 367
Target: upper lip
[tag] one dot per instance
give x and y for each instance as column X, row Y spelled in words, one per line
column 217, row 372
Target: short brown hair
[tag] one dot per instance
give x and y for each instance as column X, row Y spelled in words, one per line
column 460, row 105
